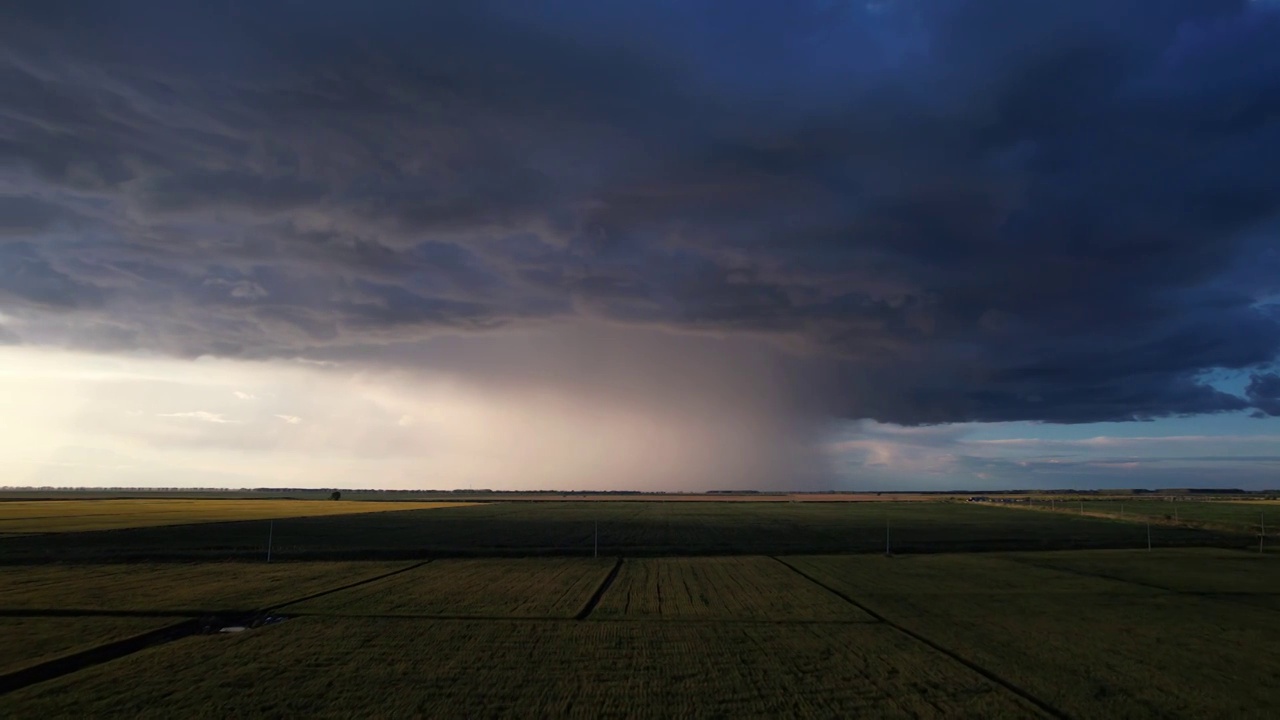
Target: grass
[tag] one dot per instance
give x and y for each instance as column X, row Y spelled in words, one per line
column 550, row 587
column 315, row 667
column 1088, row 646
column 174, row 588
column 61, row 516
column 28, row 641
column 737, row 588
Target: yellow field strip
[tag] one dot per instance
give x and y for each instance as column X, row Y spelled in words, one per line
column 48, row 516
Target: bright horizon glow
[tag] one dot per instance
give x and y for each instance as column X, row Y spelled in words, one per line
column 74, row 419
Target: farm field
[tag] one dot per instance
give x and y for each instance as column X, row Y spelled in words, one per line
column 312, row 666
column 739, row 609
column 1245, row 517
column 739, row 588
column 60, row 516
column 32, row 640
column 534, row 587
column 1087, row 646
column 186, row 588
column 632, row 529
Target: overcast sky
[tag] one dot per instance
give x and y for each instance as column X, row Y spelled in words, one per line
column 672, row 244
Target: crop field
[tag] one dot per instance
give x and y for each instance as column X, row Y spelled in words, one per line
column 49, row 516
column 537, row 587
column 697, row 609
column 315, row 667
column 631, row 529
column 1088, row 646
column 176, row 588
column 739, row 588
column 32, row 640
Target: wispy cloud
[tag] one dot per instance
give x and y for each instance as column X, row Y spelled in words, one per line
column 202, row 415
column 241, row 395
column 291, row 419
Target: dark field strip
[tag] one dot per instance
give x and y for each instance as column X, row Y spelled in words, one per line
column 628, row 528
column 1025, row 695
column 594, row 600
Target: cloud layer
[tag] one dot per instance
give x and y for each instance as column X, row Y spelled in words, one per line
column 922, row 211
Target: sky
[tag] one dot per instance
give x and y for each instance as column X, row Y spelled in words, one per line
column 669, row 245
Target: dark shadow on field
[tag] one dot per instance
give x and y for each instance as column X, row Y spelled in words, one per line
column 632, row 529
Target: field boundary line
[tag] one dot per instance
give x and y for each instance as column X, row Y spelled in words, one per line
column 595, row 598
column 348, row 586
column 67, row 664
column 1007, row 685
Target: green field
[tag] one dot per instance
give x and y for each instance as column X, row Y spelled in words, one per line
column 696, row 609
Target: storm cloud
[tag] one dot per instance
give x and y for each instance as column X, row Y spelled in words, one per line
column 921, row 211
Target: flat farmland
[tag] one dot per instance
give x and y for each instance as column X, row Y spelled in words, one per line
column 550, row 587
column 732, row 588
column 174, row 588
column 631, row 529
column 61, row 516
column 734, row 609
column 32, row 640
column 1087, row 646
column 313, row 667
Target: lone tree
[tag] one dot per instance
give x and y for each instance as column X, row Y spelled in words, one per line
column 335, row 495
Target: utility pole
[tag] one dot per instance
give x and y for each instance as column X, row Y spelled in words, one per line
column 1081, row 507
column 271, row 531
column 1262, row 518
column 1148, row 536
column 595, row 547
column 886, row 536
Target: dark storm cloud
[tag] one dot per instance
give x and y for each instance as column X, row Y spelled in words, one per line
column 951, row 210
column 1264, row 392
